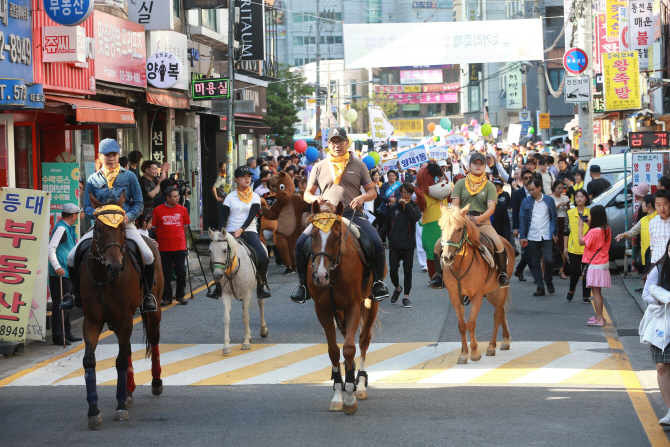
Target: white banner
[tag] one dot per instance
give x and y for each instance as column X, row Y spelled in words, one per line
column 387, row 165
column 624, row 37
column 451, row 140
column 439, row 153
column 380, row 128
column 641, row 26
column 63, row 44
column 514, row 87
column 434, row 43
column 514, row 133
column 413, row 157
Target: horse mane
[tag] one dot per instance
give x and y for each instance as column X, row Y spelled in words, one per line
column 453, row 217
column 218, row 236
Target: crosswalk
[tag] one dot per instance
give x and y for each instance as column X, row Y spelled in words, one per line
column 532, row 363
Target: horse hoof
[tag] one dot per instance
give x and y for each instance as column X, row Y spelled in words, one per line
column 335, row 406
column 264, row 332
column 349, row 410
column 490, row 352
column 505, row 347
column 129, row 401
column 157, row 391
column 94, row 422
column 121, row 415
column 246, row 346
column 463, row 360
column 476, row 358
column 362, row 394
column 227, row 350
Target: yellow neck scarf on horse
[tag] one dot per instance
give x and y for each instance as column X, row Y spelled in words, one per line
column 110, row 175
column 338, row 164
column 475, row 183
column 232, row 266
column 324, row 221
column 245, row 196
column 110, row 219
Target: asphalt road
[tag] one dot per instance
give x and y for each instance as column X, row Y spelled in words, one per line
column 560, row 383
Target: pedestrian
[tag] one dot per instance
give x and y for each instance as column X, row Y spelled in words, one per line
column 596, row 255
column 389, row 193
column 220, row 190
column 562, row 206
column 564, row 171
column 517, row 198
column 400, row 226
column 659, row 226
column 63, row 239
column 376, row 181
column 574, row 185
column 252, row 165
column 538, row 229
column 134, row 163
column 150, row 181
column 159, row 199
column 169, row 220
column 500, row 219
column 571, row 247
column 642, row 229
column 546, row 176
column 597, row 185
column 551, row 166
column 123, row 161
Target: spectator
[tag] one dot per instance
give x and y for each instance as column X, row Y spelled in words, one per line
column 546, row 176
column 578, row 184
column 169, row 221
column 399, row 226
column 389, row 193
column 123, row 161
column 150, row 181
column 134, row 160
column 517, row 197
column 659, row 226
column 263, row 188
column 564, row 171
column 551, row 167
column 500, row 219
column 518, row 162
column 642, row 228
column 220, row 191
column 63, row 240
column 160, row 198
column 571, row 247
column 537, row 230
column 664, row 183
column 597, row 185
column 144, row 224
column 596, row 255
column 251, row 164
column 562, row 207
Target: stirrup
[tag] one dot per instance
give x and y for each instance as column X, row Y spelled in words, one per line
column 293, row 293
column 151, row 298
column 385, row 293
column 67, row 304
column 502, row 277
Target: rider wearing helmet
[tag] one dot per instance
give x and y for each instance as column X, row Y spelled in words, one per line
column 108, row 183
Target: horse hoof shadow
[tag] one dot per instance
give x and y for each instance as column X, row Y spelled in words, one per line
column 349, row 410
column 505, row 347
column 227, row 351
column 490, row 352
column 265, row 332
column 94, row 422
column 462, row 361
column 246, row 346
column 121, row 415
column 335, row 406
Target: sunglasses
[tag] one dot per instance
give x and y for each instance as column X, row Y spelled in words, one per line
column 528, row 178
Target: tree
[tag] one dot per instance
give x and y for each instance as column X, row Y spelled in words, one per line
column 362, row 124
column 282, row 99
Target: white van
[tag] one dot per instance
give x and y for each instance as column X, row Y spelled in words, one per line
column 611, row 167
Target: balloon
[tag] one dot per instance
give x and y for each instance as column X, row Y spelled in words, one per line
column 437, row 138
column 375, row 156
column 464, row 127
column 499, row 132
column 369, row 133
column 351, row 115
column 431, row 127
column 531, row 131
column 445, row 123
column 369, row 162
column 474, row 137
column 465, row 133
column 451, row 132
column 486, row 129
column 473, row 122
column 300, row 146
column 312, row 154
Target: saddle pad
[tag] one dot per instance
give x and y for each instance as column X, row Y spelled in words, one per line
column 486, row 248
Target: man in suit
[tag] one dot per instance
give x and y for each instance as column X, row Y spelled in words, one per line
column 517, row 197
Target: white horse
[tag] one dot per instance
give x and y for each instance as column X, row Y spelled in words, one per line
column 233, row 268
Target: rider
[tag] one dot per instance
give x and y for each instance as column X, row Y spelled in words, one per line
column 478, row 192
column 340, row 178
column 239, row 219
column 108, row 183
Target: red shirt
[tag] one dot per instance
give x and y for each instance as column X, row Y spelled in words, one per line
column 169, row 224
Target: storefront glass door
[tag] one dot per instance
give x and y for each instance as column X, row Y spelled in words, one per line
column 187, row 165
column 7, row 174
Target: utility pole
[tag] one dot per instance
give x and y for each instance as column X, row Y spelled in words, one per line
column 318, row 67
column 230, row 122
column 542, row 91
column 585, row 110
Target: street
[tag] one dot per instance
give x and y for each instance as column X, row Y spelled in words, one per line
column 561, row 383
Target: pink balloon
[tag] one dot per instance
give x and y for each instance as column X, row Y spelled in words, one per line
column 464, row 127
column 473, row 122
column 300, row 146
column 465, row 134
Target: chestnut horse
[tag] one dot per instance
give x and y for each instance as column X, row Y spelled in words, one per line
column 335, row 279
column 467, row 274
column 111, row 293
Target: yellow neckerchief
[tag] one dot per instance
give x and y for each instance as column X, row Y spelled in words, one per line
column 113, row 219
column 500, row 192
column 379, row 184
column 232, row 266
column 111, row 175
column 324, row 221
column 338, row 164
column 475, row 184
column 245, row 196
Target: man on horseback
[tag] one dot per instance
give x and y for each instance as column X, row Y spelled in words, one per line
column 340, row 178
column 109, row 183
column 478, row 192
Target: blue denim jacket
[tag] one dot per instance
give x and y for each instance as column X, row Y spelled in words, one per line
column 526, row 213
column 126, row 181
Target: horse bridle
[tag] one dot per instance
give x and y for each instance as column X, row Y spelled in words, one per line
column 101, row 251
column 459, row 245
column 334, row 262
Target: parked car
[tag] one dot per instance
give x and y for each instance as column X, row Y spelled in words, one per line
column 613, row 200
column 611, row 167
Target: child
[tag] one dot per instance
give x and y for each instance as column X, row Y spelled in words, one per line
column 596, row 255
column 144, row 224
column 400, row 227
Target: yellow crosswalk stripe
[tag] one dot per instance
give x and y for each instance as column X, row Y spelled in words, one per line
column 425, row 370
column 603, row 373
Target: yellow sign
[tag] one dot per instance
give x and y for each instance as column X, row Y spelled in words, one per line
column 318, row 135
column 25, row 213
column 622, row 80
column 311, row 101
column 545, row 121
column 407, row 128
column 612, row 18
column 412, row 89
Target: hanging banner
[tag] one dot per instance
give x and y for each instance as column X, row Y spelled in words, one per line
column 622, row 83
column 641, row 27
column 24, row 216
column 413, row 157
column 451, row 140
column 424, row 98
column 624, row 39
column 407, row 128
column 438, row 153
column 380, row 128
column 604, row 46
column 612, row 14
column 251, row 30
column 514, row 87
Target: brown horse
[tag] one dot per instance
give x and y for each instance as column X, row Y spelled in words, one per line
column 111, row 293
column 335, row 279
column 467, row 274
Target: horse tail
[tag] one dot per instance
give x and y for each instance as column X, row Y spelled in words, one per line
column 145, row 328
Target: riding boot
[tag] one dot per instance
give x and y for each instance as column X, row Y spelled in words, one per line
column 216, row 292
column 263, row 290
column 300, row 293
column 501, row 260
column 379, row 290
column 72, row 299
column 436, row 281
column 149, row 302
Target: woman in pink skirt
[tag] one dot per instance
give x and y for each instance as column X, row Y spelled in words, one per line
column 596, row 254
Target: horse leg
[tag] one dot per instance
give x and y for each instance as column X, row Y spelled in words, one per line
column 326, row 320
column 369, row 314
column 476, row 300
column 349, row 403
column 264, row 327
column 153, row 322
column 462, row 327
column 227, row 303
column 497, row 318
column 123, row 334
column 130, row 386
column 246, row 345
column 91, row 333
column 505, row 345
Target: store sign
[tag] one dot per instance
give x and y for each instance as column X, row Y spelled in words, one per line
column 412, row 89
column 16, row 93
column 63, row 44
column 407, row 128
column 68, row 12
column 647, row 168
column 622, row 80
column 438, row 88
column 205, row 4
column 421, row 77
column 641, row 28
column 16, row 61
column 120, row 50
column 207, row 89
column 163, row 69
column 612, row 15
column 174, row 43
column 388, row 89
column 251, row 30
column 645, row 140
column 424, row 98
column 153, row 14
column 424, row 4
column 514, row 87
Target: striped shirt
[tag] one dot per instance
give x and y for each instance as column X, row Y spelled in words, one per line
column 659, row 231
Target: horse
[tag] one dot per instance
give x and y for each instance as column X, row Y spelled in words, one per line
column 232, row 267
column 342, row 290
column 111, row 292
column 467, row 274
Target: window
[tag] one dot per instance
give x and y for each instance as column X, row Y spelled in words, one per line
column 374, row 11
column 353, row 88
column 388, row 78
column 331, row 39
column 298, row 62
column 338, row 39
column 434, row 109
column 312, row 40
column 555, row 77
column 208, row 18
column 297, row 17
column 322, row 39
column 176, row 8
column 297, row 40
column 554, row 16
column 411, row 110
column 451, row 108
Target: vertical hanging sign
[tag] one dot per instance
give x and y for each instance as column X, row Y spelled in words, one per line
column 514, row 88
column 641, row 25
column 251, row 30
column 612, row 13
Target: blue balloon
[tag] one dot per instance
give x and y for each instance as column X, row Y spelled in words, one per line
column 369, row 161
column 312, row 154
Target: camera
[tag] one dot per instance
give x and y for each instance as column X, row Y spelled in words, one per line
column 182, row 187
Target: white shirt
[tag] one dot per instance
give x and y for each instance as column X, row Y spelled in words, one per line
column 53, row 246
column 539, row 222
column 652, row 280
column 659, row 231
column 239, row 211
column 143, row 232
column 561, row 211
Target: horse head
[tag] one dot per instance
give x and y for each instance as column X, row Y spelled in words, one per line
column 457, row 231
column 109, row 234
column 327, row 247
column 221, row 252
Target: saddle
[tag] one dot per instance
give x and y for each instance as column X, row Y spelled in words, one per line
column 132, row 250
column 487, row 247
column 252, row 253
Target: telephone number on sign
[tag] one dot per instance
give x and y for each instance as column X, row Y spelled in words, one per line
column 9, row 331
column 18, row 48
column 20, row 92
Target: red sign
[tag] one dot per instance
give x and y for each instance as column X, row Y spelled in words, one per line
column 424, row 98
column 120, row 53
column 388, row 88
column 603, row 45
column 439, row 88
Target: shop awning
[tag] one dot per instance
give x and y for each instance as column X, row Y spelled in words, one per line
column 87, row 111
column 573, row 123
column 251, row 127
column 168, row 98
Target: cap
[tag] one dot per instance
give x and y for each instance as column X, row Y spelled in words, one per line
column 70, row 208
column 242, row 171
column 594, row 168
column 337, row 132
column 641, row 190
column 497, row 181
column 477, row 156
column 108, row 146
column 441, row 163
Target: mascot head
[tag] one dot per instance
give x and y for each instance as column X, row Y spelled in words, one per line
column 433, row 182
column 283, row 186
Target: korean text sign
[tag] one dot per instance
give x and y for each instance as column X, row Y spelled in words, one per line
column 413, row 157
column 120, row 53
column 206, row 89
column 612, row 16
column 648, row 168
column 641, row 26
column 621, row 77
column 24, row 215
column 16, row 61
column 62, row 181
column 68, row 12
column 514, row 87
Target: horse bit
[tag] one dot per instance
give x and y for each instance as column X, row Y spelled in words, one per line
column 101, row 251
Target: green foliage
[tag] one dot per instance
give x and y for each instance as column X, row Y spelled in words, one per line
column 282, row 98
column 362, row 124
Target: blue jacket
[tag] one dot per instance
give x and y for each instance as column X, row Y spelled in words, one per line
column 126, row 181
column 526, row 213
column 515, row 203
column 385, row 200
